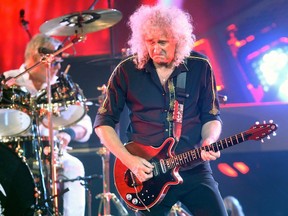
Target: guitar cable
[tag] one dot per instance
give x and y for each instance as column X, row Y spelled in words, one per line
column 134, row 186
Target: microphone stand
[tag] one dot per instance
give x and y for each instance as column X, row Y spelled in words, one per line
column 51, row 142
column 49, row 60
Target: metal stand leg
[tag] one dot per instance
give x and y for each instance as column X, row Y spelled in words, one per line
column 106, row 196
column 177, row 210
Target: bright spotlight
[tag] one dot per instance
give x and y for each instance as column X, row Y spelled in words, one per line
column 270, row 65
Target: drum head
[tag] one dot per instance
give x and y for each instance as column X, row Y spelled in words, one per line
column 16, row 184
column 67, row 116
column 13, row 122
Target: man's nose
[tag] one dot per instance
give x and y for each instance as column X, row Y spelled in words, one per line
column 156, row 48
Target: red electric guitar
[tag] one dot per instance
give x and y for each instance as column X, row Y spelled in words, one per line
column 144, row 195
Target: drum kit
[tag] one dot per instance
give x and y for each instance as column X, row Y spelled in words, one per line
column 23, row 159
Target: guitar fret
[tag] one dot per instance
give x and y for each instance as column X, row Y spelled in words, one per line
column 185, row 157
column 242, row 136
column 216, row 145
column 231, row 140
column 219, row 146
column 180, row 159
column 172, row 162
column 210, row 147
column 198, row 152
column 189, row 156
column 176, row 161
column 194, row 156
column 221, row 141
column 237, row 139
column 226, row 142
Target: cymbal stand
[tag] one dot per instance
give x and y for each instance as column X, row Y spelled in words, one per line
column 106, row 196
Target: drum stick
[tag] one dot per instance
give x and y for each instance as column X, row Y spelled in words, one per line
column 67, row 69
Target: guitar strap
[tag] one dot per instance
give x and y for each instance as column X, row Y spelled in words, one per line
column 179, row 105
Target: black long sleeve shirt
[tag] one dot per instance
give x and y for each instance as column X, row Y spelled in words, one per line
column 149, row 102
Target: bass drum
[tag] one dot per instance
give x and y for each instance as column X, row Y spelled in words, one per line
column 68, row 103
column 17, row 188
column 14, row 111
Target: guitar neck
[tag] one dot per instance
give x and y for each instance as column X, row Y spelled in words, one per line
column 192, row 155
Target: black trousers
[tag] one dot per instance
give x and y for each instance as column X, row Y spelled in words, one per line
column 199, row 193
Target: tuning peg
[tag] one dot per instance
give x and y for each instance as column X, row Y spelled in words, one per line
column 262, row 141
column 257, row 123
column 274, row 133
column 271, row 121
column 264, row 122
column 268, row 137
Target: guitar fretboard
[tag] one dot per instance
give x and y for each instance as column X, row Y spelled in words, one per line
column 189, row 156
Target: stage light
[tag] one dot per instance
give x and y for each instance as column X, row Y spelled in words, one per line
column 227, row 170
column 270, row 64
column 283, row 91
column 241, row 167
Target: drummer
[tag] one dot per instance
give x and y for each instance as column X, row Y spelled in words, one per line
column 34, row 81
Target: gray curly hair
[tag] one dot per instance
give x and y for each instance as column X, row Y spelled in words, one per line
column 172, row 20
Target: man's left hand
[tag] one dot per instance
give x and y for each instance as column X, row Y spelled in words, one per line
column 209, row 155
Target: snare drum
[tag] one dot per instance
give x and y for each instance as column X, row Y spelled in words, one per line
column 14, row 111
column 17, row 188
column 68, row 104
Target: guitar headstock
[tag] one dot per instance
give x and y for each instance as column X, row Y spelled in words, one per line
column 260, row 131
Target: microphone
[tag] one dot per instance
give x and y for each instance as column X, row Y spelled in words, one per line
column 44, row 50
column 22, row 13
column 22, row 20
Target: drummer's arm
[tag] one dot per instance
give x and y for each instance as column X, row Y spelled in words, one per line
column 80, row 132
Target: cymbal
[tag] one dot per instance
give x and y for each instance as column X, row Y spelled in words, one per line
column 81, row 22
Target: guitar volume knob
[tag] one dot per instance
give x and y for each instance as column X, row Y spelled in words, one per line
column 135, row 201
column 128, row 196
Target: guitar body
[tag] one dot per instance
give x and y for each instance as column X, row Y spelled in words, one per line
column 142, row 196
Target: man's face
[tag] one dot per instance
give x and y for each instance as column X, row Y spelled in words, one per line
column 161, row 48
column 40, row 71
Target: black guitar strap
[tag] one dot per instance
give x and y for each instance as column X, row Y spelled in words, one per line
column 179, row 105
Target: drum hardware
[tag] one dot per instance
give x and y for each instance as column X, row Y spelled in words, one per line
column 38, row 208
column 68, row 103
column 15, row 111
column 178, row 210
column 106, row 196
column 86, row 184
column 81, row 22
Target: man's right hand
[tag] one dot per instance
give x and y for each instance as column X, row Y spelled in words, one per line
column 141, row 168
